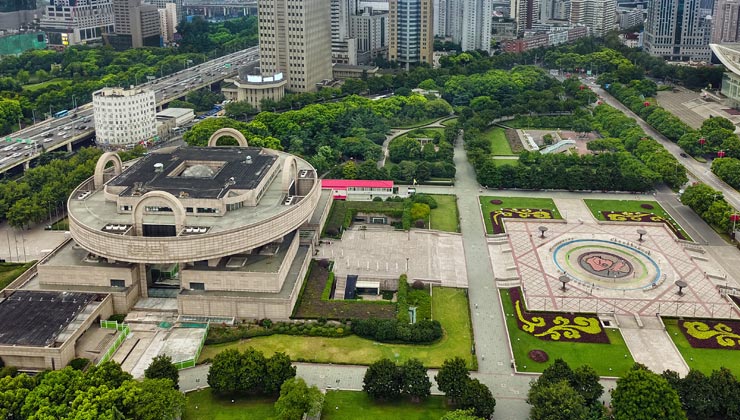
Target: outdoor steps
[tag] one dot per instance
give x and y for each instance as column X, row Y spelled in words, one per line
column 508, row 283
column 341, row 282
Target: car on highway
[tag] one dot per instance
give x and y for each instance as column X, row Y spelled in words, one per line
column 67, row 128
column 684, row 155
column 48, row 134
column 48, row 140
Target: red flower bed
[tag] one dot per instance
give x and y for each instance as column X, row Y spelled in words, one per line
column 496, row 202
column 497, row 216
column 639, row 217
column 711, row 334
column 539, row 356
column 556, row 326
column 647, row 206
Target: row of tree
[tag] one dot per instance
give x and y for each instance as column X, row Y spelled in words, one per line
column 710, row 205
column 249, row 372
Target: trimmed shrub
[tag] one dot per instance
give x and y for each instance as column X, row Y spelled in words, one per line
column 117, row 317
column 419, row 224
column 418, row 285
column 79, row 363
column 539, row 356
column 647, row 206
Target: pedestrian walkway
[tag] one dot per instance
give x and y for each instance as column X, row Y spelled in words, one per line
column 650, row 344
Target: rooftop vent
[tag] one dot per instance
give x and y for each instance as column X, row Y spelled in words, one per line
column 248, row 160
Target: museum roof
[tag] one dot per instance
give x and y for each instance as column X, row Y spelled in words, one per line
column 36, row 318
column 186, row 170
column 729, row 55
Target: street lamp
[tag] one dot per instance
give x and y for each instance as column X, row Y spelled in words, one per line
column 721, row 154
column 734, row 218
column 702, row 142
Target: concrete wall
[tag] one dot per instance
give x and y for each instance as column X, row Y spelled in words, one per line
column 86, row 275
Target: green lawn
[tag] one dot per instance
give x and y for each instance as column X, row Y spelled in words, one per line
column 449, row 306
column 348, row 405
column 597, row 206
column 10, row 271
column 601, row 357
column 704, row 360
column 445, row 216
column 419, row 124
column 499, row 144
column 211, row 407
column 449, row 122
column 502, row 162
column 515, row 203
column 37, row 86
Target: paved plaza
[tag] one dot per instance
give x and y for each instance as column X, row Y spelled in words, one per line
column 691, row 108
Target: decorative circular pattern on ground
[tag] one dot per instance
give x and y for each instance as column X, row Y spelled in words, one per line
column 606, row 264
column 496, row 202
column 539, row 356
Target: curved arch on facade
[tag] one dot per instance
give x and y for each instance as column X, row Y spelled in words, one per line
column 158, row 196
column 227, row 132
column 290, row 172
column 103, row 160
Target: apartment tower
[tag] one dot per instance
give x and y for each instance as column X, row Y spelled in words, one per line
column 411, row 31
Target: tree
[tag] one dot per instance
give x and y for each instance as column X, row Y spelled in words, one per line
column 150, row 399
column 586, row 382
column 279, row 370
column 460, row 415
column 297, row 398
column 382, row 380
column 641, row 394
column 477, row 396
column 452, row 378
column 13, row 392
column 252, row 372
column 725, row 389
column 240, row 110
column 224, row 374
column 415, row 382
column 163, row 368
column 555, row 401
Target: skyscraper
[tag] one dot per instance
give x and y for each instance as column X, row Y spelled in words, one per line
column 525, row 13
column 343, row 46
column 476, row 25
column 15, row 14
column 599, row 16
column 136, row 25
column 678, row 30
column 295, row 39
column 725, row 21
column 70, row 22
column 411, row 31
column 440, row 17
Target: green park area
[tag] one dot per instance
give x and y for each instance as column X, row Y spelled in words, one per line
column 613, row 359
column 10, row 271
column 490, row 204
column 502, row 162
column 703, row 360
column 499, row 144
column 338, row 405
column 445, row 216
column 449, row 122
column 449, row 307
column 633, row 206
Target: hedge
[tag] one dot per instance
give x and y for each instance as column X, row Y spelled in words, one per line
column 225, row 334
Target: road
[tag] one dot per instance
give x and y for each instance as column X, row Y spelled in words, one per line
column 700, row 171
column 55, row 133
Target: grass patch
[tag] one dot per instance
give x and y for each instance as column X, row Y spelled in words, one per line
column 445, row 216
column 212, row 407
column 420, row 123
column 449, row 122
column 499, row 144
column 703, row 360
column 37, row 86
column 515, row 203
column 501, row 162
column 597, row 206
column 601, row 357
column 62, row 224
column 449, row 307
column 349, row 405
column 10, row 271
column 422, row 300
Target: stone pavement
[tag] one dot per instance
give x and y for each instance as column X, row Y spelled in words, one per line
column 28, row 244
column 650, row 345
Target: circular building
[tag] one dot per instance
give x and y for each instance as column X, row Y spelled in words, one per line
column 223, row 230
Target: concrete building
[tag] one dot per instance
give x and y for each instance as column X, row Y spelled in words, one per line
column 370, row 29
column 476, row 25
column 295, row 40
column 411, row 32
column 559, row 10
column 124, row 116
column 136, row 25
column 600, row 16
column 729, row 56
column 223, row 232
column 345, row 71
column 255, row 88
column 630, row 18
column 525, row 13
column 439, row 8
column 75, row 22
column 19, row 14
column 726, row 21
column 163, row 4
column 168, row 22
column 343, row 45
column 678, row 30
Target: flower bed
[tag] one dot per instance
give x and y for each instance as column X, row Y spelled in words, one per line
column 554, row 326
column 647, row 206
column 497, row 216
column 711, row 334
column 539, row 356
column 642, row 217
column 496, row 202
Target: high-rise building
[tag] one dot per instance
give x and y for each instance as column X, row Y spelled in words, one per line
column 630, row 18
column 560, row 10
column 439, row 8
column 725, row 21
column 168, row 22
column 136, row 25
column 343, row 46
column 124, row 116
column 600, row 16
column 678, row 30
column 370, row 29
column 525, row 13
column 74, row 22
column 476, row 25
column 15, row 14
column 411, row 31
column 162, row 4
column 453, row 26
column 295, row 39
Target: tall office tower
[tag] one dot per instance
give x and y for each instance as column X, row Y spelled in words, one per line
column 560, row 10
column 343, row 46
column 295, row 39
column 411, row 31
column 725, row 21
column 525, row 13
column 370, row 29
column 162, row 4
column 74, row 22
column 677, row 30
column 136, row 25
column 600, row 16
column 454, row 22
column 476, row 25
column 440, row 17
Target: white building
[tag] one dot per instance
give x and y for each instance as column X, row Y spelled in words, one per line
column 70, row 22
column 343, row 45
column 168, row 22
column 600, row 16
column 124, row 116
column 476, row 25
column 370, row 29
column 629, row 18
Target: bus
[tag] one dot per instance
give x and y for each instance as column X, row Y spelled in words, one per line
column 61, row 114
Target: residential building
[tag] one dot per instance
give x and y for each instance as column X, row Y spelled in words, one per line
column 439, row 8
column 453, row 25
column 630, row 18
column 17, row 14
column 525, row 13
column 162, row 4
column 136, row 25
column 75, row 22
column 370, row 29
column 124, row 116
column 411, row 32
column 255, row 88
column 552, row 36
column 476, row 25
column 343, row 45
column 295, row 40
column 168, row 22
column 559, row 10
column 503, row 29
column 678, row 30
column 726, row 21
column 600, row 16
